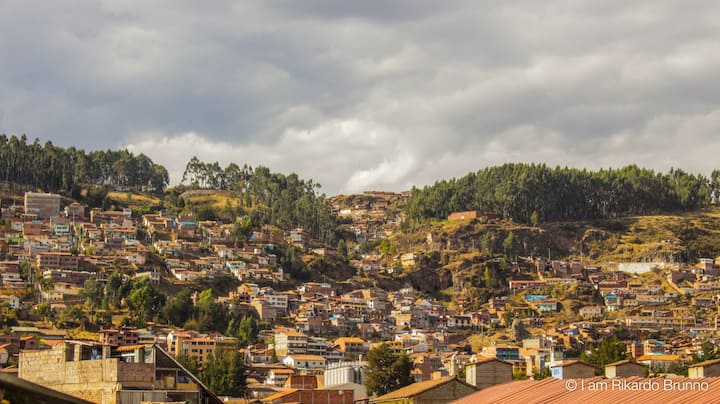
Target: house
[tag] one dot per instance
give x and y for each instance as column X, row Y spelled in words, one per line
column 309, row 362
column 572, row 370
column 57, row 260
column 408, row 260
column 325, row 396
column 709, row 368
column 658, row 362
column 488, row 372
column 278, row 377
column 44, row 205
column 591, row 311
column 624, row 368
column 290, row 342
column 352, row 346
column 548, row 306
column 443, row 390
column 505, row 353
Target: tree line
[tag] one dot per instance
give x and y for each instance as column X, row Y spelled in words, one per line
column 286, row 201
column 56, row 169
column 533, row 192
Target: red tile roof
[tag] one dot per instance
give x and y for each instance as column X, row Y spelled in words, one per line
column 550, row 390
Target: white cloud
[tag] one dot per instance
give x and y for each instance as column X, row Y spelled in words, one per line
column 358, row 95
column 334, row 154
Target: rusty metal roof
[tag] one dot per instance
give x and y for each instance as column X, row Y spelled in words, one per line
column 601, row 390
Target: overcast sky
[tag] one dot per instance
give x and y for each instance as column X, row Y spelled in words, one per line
column 362, row 95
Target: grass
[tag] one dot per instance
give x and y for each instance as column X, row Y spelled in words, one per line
column 133, row 199
column 214, row 199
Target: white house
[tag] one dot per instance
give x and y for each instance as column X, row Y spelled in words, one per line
column 310, row 362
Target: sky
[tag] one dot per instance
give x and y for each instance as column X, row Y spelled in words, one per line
column 368, row 95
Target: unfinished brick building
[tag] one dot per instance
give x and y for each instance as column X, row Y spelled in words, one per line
column 128, row 374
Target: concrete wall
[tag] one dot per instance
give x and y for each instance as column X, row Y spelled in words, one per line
column 486, row 374
column 136, row 374
column 94, row 380
column 704, row 371
column 625, row 370
column 578, row 371
column 445, row 393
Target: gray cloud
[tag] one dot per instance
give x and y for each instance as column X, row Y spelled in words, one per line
column 360, row 95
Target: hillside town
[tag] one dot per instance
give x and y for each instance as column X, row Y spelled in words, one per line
column 315, row 336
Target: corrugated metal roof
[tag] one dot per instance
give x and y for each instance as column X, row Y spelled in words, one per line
column 415, row 389
column 601, row 390
column 706, row 363
column 280, row 395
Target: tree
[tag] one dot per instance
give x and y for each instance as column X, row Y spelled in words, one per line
column 342, row 251
column 386, row 247
column 70, row 317
column 487, row 244
column 607, row 351
column 94, row 293
column 518, row 330
column 210, row 315
column 179, row 308
column 535, row 218
column 188, row 362
column 242, row 230
column 145, row 301
column 509, row 246
column 708, row 351
column 386, row 371
column 225, row 373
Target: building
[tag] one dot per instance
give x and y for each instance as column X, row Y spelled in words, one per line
column 630, row 390
column 16, row 390
column 443, row 390
column 290, row 342
column 572, row 370
column 489, row 372
column 117, row 337
column 75, row 211
column 308, row 362
column 201, row 348
column 278, row 377
column 472, row 214
column 324, row 396
column 57, row 260
column 624, row 368
column 709, row 368
column 45, row 206
column 101, row 374
column 504, row 353
column 345, row 372
column 659, row 362
column 352, row 346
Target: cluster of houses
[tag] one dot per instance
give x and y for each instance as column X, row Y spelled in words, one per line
column 370, row 214
column 319, row 351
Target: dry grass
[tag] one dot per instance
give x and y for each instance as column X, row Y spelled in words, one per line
column 133, row 199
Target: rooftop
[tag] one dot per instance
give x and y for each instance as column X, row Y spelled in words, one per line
column 681, row 390
column 416, row 388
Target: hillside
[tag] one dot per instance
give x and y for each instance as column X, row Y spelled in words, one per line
column 471, row 260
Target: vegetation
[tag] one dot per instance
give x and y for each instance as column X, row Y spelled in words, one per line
column 531, row 193
column 224, row 372
column 56, row 169
column 386, row 371
column 285, row 201
column 608, row 351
